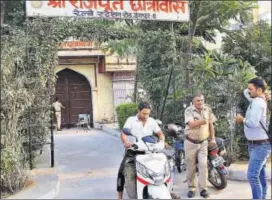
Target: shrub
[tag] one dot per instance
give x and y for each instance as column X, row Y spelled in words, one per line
column 28, row 61
column 124, row 111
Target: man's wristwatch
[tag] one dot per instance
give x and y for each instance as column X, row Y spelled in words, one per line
column 244, row 120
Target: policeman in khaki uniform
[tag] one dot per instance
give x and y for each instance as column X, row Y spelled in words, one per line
column 199, row 120
column 57, row 107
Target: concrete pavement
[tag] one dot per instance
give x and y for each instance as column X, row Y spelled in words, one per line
column 45, row 185
column 234, row 190
column 87, row 164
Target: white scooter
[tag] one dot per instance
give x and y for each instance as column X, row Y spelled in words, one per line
column 154, row 178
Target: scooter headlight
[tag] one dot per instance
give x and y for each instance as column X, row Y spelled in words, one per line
column 142, row 169
column 158, row 178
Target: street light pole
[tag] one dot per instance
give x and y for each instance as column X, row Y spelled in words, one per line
column 52, row 144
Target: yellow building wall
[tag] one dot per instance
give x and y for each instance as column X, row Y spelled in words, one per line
column 263, row 7
column 115, row 63
column 255, row 14
column 102, row 95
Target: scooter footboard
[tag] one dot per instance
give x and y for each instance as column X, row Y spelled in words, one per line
column 158, row 192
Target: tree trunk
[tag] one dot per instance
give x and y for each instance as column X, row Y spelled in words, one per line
column 166, row 94
column 3, row 6
column 190, row 39
column 136, row 80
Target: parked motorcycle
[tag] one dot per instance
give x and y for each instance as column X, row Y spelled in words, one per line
column 176, row 132
column 153, row 170
column 217, row 171
column 218, row 158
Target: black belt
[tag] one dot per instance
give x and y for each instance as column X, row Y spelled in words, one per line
column 258, row 141
column 195, row 141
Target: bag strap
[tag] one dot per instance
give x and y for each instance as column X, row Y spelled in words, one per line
column 264, row 128
column 267, row 133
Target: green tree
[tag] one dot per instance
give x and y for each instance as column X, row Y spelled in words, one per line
column 206, row 18
column 222, row 79
column 156, row 66
column 12, row 12
column 252, row 44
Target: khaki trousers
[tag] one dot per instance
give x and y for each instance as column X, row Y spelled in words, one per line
column 58, row 118
column 193, row 152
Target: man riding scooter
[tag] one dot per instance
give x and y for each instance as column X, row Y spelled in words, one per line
column 140, row 125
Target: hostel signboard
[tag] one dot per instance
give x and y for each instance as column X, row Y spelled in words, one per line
column 161, row 10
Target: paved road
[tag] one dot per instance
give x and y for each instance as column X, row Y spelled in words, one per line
column 87, row 164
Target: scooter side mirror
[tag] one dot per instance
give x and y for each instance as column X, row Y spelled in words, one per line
column 159, row 122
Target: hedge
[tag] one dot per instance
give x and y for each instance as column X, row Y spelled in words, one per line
column 124, row 111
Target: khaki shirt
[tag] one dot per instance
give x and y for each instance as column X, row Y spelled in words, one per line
column 57, row 106
column 192, row 114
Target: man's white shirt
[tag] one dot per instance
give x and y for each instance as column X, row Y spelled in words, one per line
column 139, row 130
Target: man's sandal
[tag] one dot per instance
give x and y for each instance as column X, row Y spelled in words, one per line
column 175, row 196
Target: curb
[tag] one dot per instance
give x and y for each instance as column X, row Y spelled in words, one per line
column 46, row 187
column 241, row 175
column 111, row 131
column 235, row 175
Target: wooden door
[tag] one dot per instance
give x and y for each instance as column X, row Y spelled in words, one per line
column 74, row 92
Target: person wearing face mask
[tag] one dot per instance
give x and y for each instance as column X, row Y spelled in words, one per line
column 255, row 129
column 199, row 120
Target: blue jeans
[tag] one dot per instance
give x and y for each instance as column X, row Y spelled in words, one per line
column 256, row 173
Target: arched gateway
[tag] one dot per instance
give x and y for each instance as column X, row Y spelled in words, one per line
column 75, row 93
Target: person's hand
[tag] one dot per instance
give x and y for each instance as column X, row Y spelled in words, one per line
column 267, row 95
column 207, row 121
column 210, row 121
column 166, row 145
column 239, row 118
column 213, row 141
column 127, row 144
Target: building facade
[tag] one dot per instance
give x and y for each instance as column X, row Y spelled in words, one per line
column 91, row 82
column 263, row 12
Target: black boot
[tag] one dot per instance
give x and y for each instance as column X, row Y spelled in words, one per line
column 204, row 194
column 191, row 194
